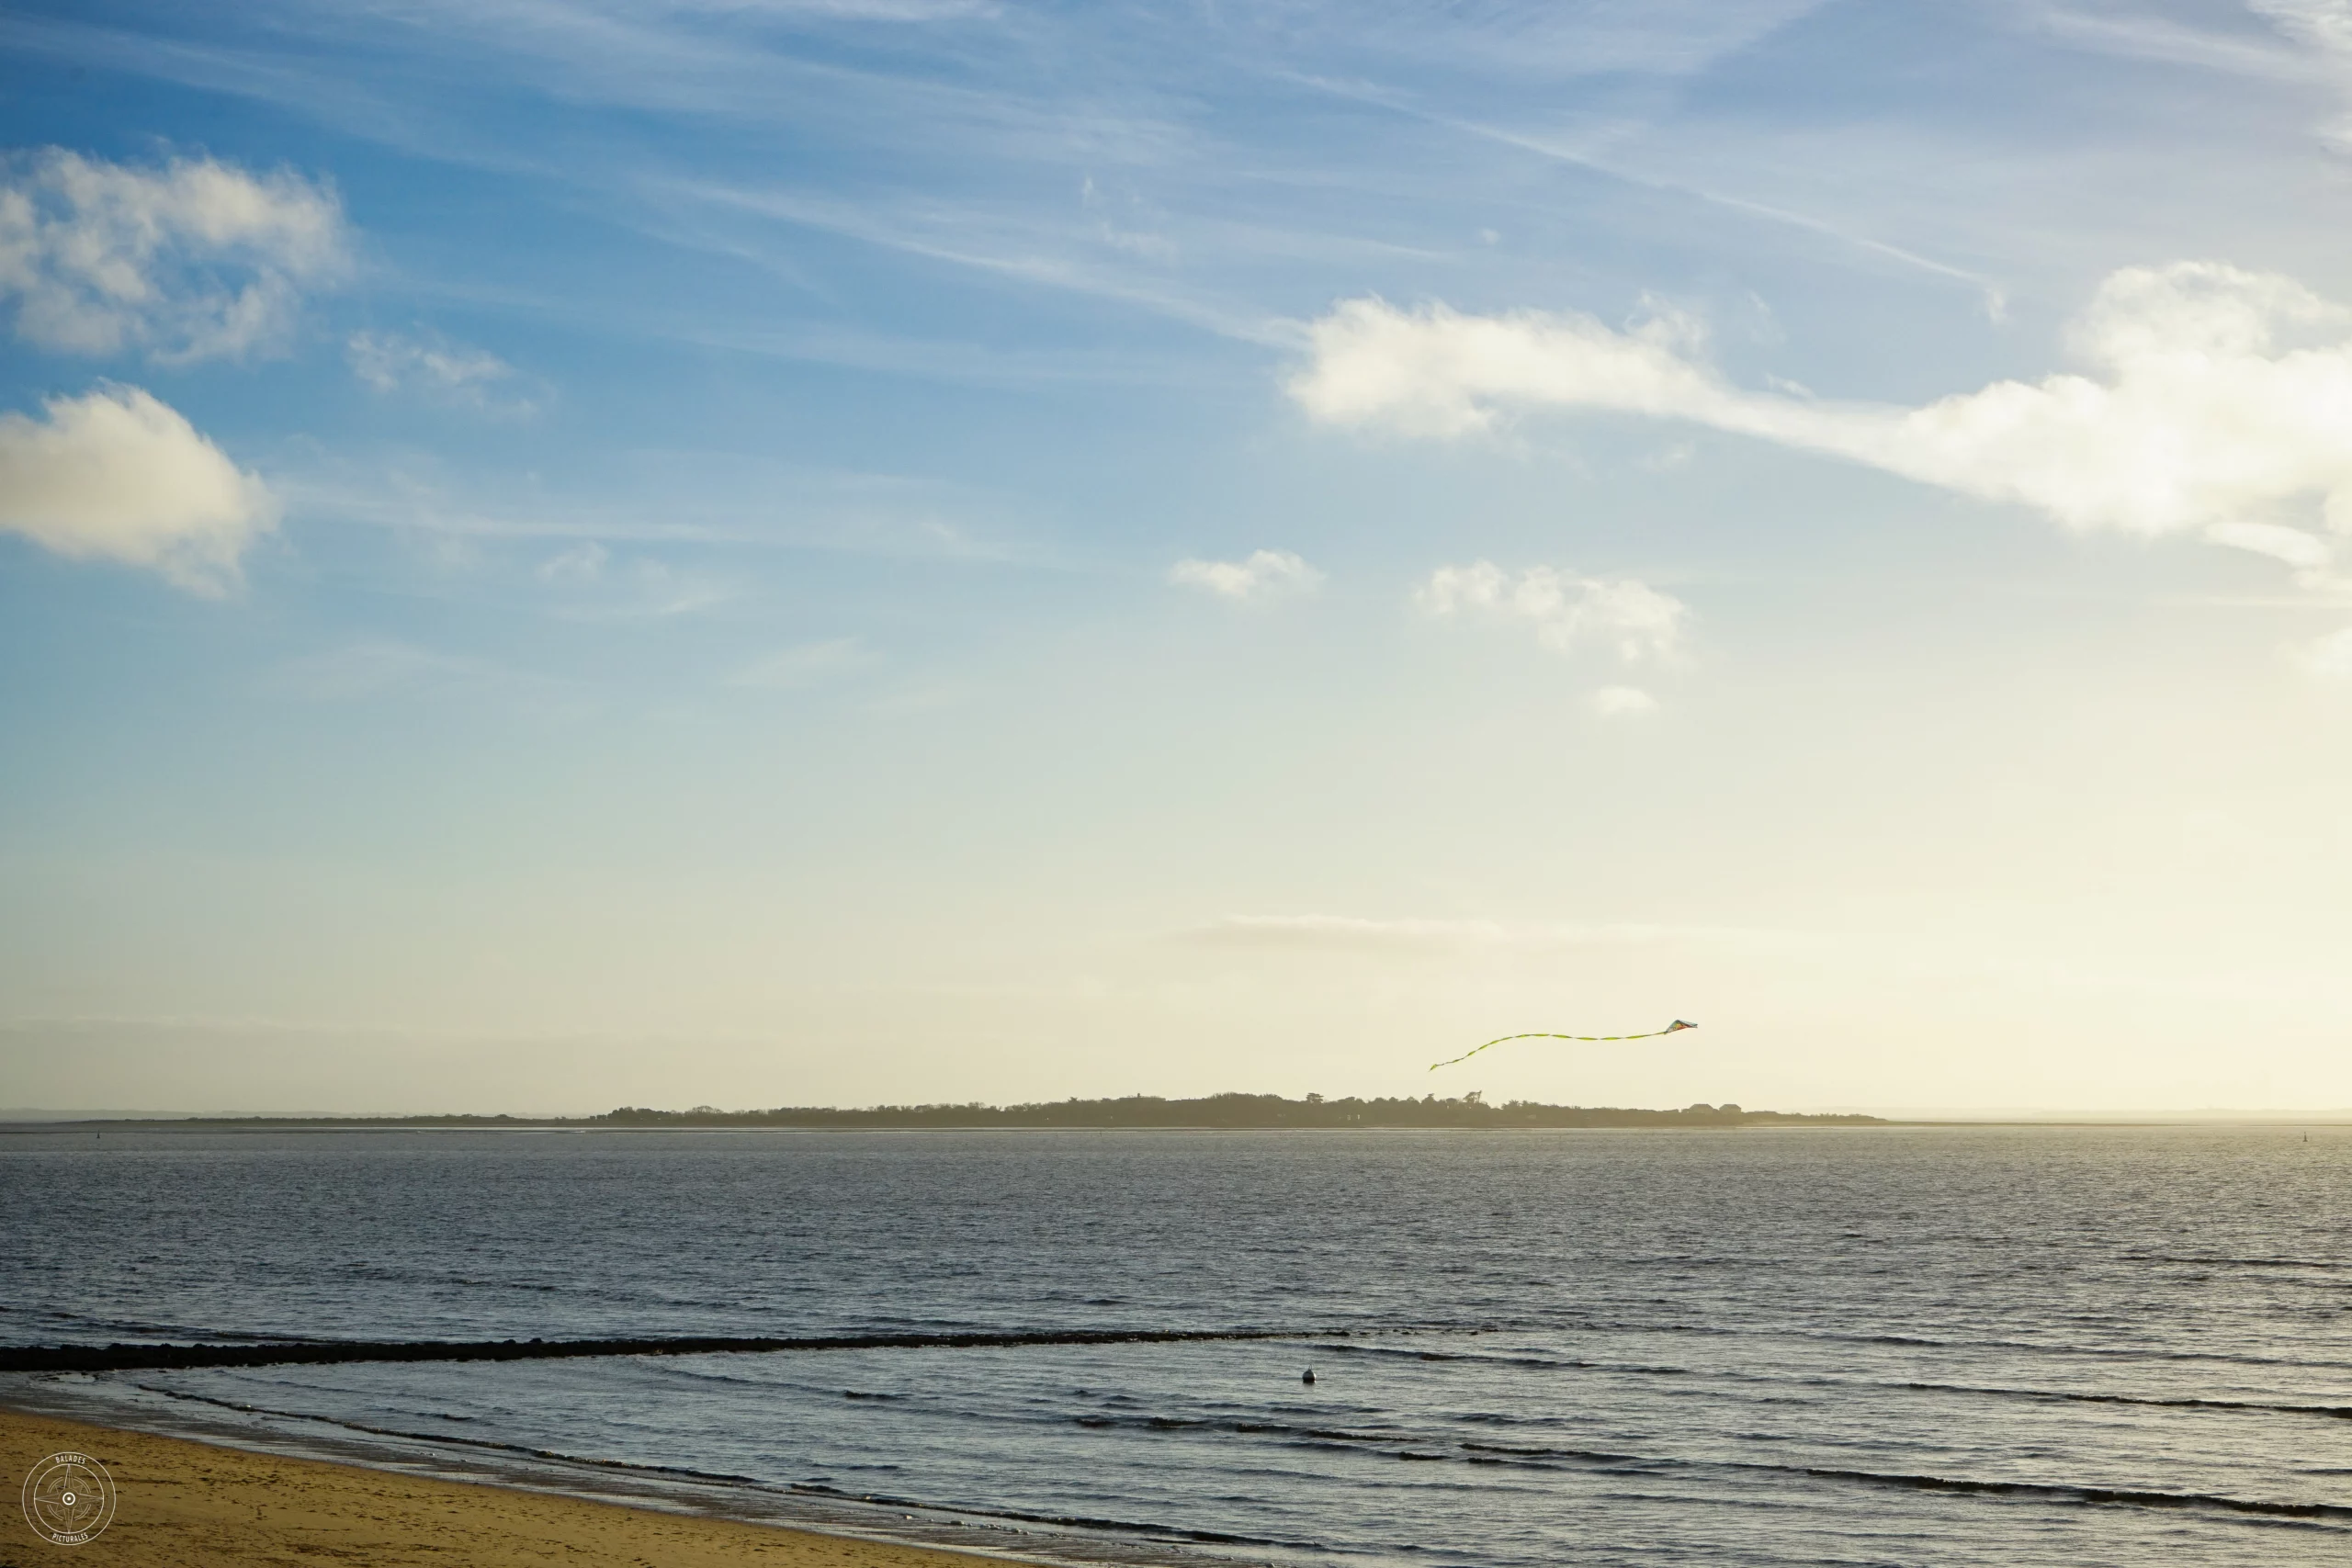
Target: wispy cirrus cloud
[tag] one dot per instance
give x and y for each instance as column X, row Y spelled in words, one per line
column 1352, row 933
column 190, row 259
column 388, row 669
column 2132, row 34
column 595, row 585
column 1035, row 245
column 961, row 125
column 431, row 366
column 2325, row 29
column 808, row 664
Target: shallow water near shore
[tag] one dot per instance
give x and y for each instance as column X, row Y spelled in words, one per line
column 1972, row 1345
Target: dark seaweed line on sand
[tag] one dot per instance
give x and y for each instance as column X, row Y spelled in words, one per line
column 180, row 1357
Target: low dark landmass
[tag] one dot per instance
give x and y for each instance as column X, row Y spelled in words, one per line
column 1222, row 1110
column 1216, row 1111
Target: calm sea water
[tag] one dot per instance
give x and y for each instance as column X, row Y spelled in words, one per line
column 1948, row 1346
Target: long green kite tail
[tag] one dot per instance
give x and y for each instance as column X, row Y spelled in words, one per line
column 1678, row 1023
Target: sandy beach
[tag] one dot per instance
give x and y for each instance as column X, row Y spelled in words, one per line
column 186, row 1504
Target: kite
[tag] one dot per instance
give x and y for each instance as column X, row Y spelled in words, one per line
column 1678, row 1023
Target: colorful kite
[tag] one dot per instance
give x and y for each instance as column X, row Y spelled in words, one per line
column 1653, row 1034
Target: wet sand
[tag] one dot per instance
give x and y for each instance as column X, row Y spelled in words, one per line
column 186, row 1504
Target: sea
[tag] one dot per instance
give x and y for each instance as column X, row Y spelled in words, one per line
column 2006, row 1345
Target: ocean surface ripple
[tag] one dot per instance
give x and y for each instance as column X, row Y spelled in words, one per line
column 1963, row 1346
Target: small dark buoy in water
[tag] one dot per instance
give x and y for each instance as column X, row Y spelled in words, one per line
column 1309, row 1379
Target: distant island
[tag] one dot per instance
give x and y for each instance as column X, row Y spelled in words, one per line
column 1216, row 1111
column 1224, row 1111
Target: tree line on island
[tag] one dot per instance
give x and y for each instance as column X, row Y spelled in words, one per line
column 1216, row 1111
column 1231, row 1109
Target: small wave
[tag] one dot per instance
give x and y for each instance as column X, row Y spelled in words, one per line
column 2050, row 1491
column 2235, row 1262
column 1482, row 1358
column 520, row 1448
column 153, row 1331
column 2062, row 1492
column 1588, row 1456
column 2334, row 1412
column 1066, row 1521
column 1925, row 1342
column 381, row 1273
column 1279, row 1429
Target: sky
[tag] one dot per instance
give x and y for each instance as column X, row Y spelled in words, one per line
column 560, row 553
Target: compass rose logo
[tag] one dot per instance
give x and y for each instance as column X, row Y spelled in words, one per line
column 69, row 1499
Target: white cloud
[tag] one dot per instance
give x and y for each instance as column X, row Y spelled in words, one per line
column 2219, row 397
column 1622, row 702
column 1565, row 610
column 2330, row 656
column 436, row 367
column 1436, row 372
column 2313, row 558
column 117, row 475
column 195, row 259
column 1265, row 575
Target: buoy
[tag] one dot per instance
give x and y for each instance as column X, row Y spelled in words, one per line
column 1309, row 1378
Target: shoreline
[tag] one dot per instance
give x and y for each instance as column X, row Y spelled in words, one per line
column 37, row 1124
column 902, row 1532
column 184, row 1503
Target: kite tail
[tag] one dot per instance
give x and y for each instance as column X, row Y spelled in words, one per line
column 1651, row 1034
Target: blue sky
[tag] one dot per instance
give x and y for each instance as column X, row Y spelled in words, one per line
column 555, row 554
